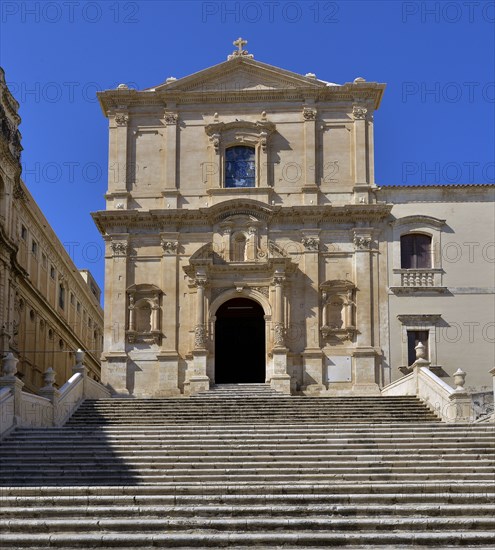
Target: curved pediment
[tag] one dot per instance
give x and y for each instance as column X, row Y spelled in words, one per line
column 428, row 221
column 239, row 207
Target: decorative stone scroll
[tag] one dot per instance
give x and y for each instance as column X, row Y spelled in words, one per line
column 121, row 119
column 309, row 113
column 119, row 248
column 170, row 247
column 362, row 242
column 311, row 243
column 359, row 112
column 171, row 118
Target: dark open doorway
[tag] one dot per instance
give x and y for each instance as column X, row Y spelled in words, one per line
column 239, row 342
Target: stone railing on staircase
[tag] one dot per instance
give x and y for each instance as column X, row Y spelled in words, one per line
column 52, row 407
column 451, row 404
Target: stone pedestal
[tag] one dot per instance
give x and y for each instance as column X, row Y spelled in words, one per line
column 461, row 407
column 199, row 381
column 364, row 372
column 168, row 374
column 280, row 381
column 114, row 373
column 313, row 371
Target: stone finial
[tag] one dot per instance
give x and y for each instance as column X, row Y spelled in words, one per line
column 79, row 357
column 9, row 365
column 122, row 87
column 49, row 378
column 420, row 351
column 421, row 360
column 459, row 380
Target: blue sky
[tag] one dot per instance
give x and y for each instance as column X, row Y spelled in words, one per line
column 435, row 124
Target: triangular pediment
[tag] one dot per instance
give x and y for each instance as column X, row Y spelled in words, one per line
column 239, row 75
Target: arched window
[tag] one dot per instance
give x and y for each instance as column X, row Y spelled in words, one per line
column 415, row 251
column 240, row 166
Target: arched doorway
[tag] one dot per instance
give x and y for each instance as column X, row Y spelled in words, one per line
column 239, row 342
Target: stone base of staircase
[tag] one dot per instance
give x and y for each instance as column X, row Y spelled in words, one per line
column 246, row 467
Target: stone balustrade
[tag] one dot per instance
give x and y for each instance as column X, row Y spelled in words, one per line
column 52, row 406
column 417, row 278
column 451, row 404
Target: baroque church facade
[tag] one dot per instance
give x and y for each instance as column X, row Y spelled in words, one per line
column 247, row 241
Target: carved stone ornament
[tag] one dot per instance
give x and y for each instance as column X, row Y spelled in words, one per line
column 262, row 289
column 362, row 242
column 171, row 118
column 311, row 243
column 359, row 112
column 309, row 113
column 279, row 335
column 119, row 249
column 19, row 193
column 240, row 52
column 200, row 282
column 199, row 336
column 215, row 292
column 278, row 280
column 170, row 246
column 215, row 141
column 121, row 119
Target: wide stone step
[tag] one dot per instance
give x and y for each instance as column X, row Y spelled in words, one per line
column 108, row 510
column 143, row 525
column 263, row 540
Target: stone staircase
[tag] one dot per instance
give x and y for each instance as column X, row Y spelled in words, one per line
column 245, row 467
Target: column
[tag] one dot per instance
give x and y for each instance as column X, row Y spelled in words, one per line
column 199, row 381
column 361, row 166
column 310, row 188
column 280, row 380
column 118, row 166
column 364, row 378
column 171, row 193
column 114, row 357
column 312, row 354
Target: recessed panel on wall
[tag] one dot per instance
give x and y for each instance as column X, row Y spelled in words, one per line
column 339, row 368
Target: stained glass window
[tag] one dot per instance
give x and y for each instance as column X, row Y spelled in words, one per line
column 239, row 166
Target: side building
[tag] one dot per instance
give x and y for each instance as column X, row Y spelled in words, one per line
column 48, row 308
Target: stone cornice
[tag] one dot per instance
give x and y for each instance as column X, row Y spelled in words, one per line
column 115, row 220
column 285, row 85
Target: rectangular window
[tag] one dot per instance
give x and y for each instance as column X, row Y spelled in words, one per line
column 72, row 299
column 415, row 251
column 61, row 297
column 414, row 337
column 23, row 232
column 78, row 307
column 34, row 247
column 52, row 272
column 43, row 260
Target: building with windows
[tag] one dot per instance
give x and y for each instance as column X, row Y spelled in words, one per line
column 247, row 241
column 48, row 309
